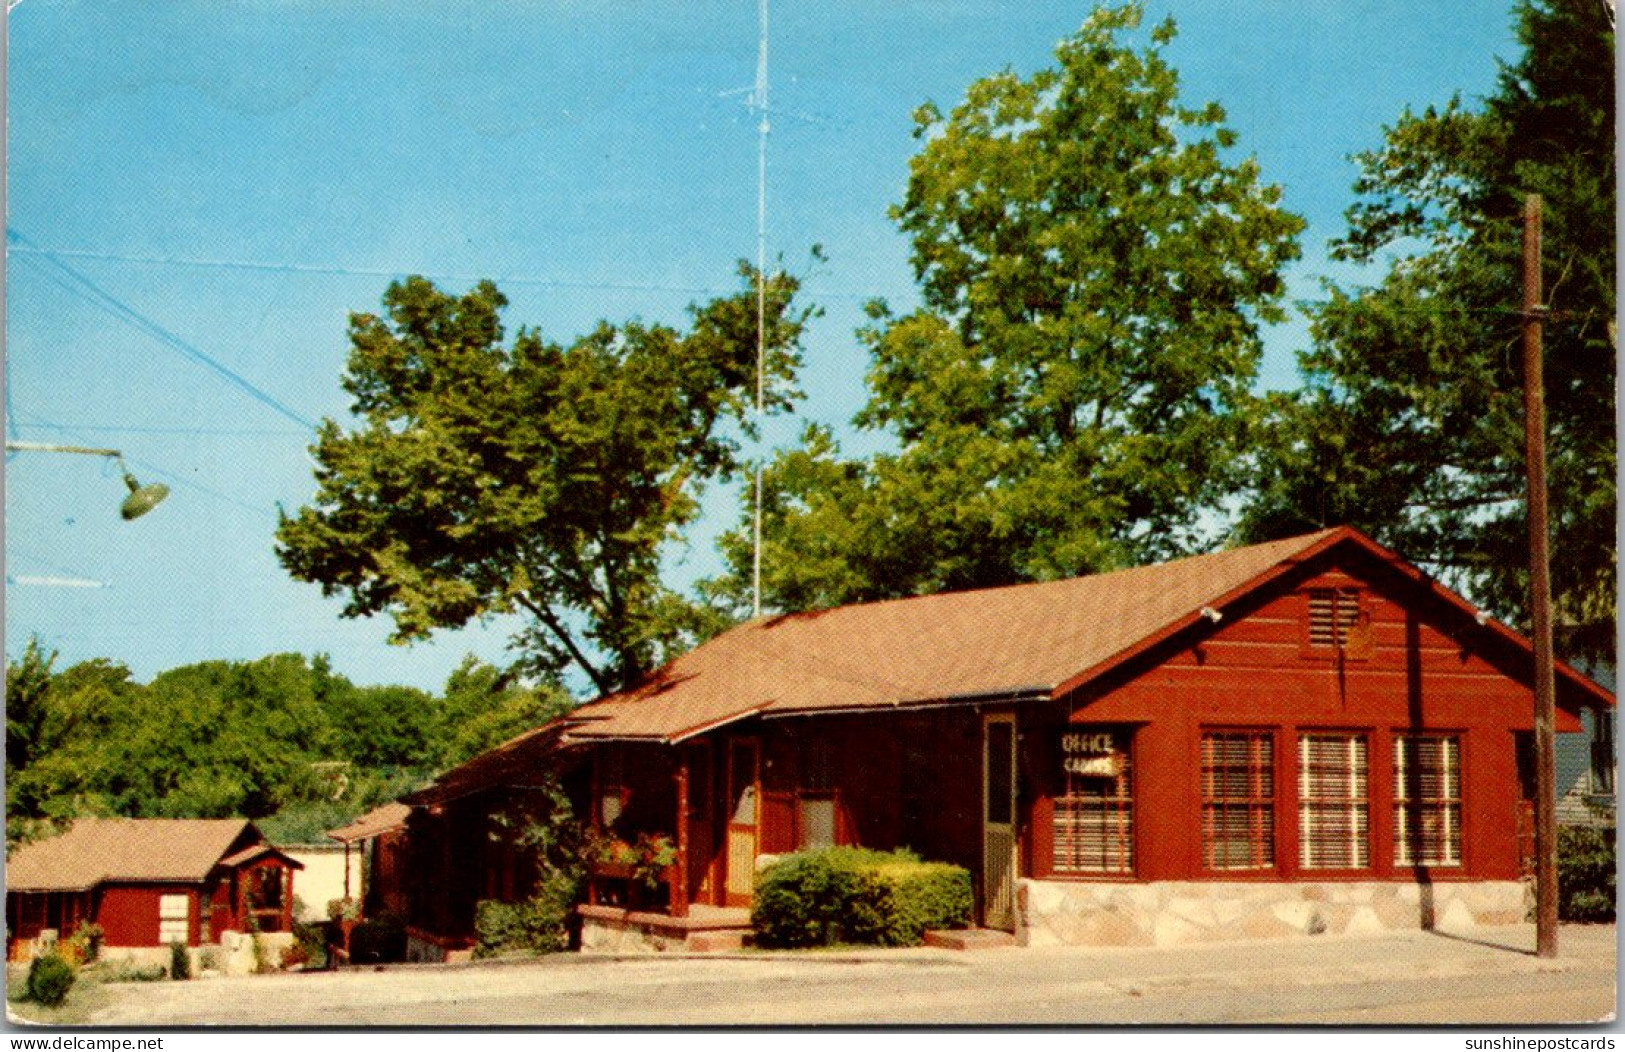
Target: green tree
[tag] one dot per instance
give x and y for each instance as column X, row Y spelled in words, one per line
column 58, row 729
column 1410, row 421
column 537, row 478
column 1095, row 262
column 28, row 683
column 482, row 707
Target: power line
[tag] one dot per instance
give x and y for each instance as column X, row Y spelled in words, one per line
column 324, row 269
column 199, row 432
column 100, row 297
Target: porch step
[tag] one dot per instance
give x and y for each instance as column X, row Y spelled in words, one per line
column 715, row 941
column 969, row 939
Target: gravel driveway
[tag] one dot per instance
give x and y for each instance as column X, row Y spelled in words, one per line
column 1411, row 977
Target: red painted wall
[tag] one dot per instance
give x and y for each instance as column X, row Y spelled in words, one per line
column 128, row 913
column 1428, row 668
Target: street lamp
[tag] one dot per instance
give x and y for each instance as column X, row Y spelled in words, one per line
column 141, row 500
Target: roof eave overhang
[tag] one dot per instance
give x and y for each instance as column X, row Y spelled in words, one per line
column 974, row 698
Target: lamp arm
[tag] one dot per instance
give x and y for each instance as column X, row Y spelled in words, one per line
column 46, row 447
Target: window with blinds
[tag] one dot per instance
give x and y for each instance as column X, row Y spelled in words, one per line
column 1238, row 800
column 1094, row 815
column 1427, row 800
column 815, row 797
column 174, row 918
column 1334, row 805
column 1332, row 612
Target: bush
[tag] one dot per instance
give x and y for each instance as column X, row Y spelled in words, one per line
column 49, row 980
column 84, row 945
column 1585, row 874
column 127, row 971
column 348, row 909
column 534, row 926
column 180, row 961
column 381, row 940
column 311, row 941
column 845, row 894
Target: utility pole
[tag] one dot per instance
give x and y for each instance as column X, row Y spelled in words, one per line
column 1540, row 589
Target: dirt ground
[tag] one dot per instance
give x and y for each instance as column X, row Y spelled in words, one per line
column 1487, row 976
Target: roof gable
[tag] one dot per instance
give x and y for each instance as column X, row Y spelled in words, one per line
column 97, row 850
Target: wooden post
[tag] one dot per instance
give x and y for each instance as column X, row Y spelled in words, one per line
column 1540, row 590
column 679, row 881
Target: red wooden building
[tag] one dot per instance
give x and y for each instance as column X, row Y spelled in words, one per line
column 1302, row 736
column 148, row 882
column 380, row 837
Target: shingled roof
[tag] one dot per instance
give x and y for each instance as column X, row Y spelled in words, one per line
column 95, row 850
column 1031, row 640
column 1023, row 641
column 377, row 822
column 1019, row 640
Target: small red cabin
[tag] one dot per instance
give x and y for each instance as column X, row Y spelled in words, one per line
column 148, row 882
column 1302, row 736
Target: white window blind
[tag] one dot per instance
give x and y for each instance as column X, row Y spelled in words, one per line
column 1334, row 807
column 174, row 918
column 1427, row 800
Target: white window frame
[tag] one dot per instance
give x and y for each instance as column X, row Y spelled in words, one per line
column 173, row 910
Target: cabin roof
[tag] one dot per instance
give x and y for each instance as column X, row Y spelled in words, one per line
column 1030, row 640
column 378, row 821
column 150, row 850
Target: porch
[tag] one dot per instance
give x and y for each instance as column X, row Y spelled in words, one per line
column 702, row 929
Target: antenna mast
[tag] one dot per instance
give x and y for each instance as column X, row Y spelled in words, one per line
column 759, row 103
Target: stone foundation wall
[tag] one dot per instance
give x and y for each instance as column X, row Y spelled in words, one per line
column 1168, row 913
column 601, row 935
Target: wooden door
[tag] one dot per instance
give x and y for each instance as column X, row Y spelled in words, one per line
column 744, row 820
column 999, row 821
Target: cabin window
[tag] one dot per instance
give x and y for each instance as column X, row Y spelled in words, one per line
column 1094, row 814
column 1238, row 800
column 1427, row 800
column 815, row 797
column 1334, row 805
column 611, row 787
column 1333, row 613
column 174, row 918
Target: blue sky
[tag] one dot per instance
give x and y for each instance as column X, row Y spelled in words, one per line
column 200, row 193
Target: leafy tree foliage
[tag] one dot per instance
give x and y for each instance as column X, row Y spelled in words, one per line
column 1410, row 424
column 278, row 736
column 1094, row 263
column 536, row 478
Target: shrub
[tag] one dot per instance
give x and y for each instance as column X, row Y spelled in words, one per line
column 84, row 945
column 180, row 961
column 210, row 959
column 128, row 971
column 381, row 940
column 845, row 894
column 534, row 926
column 49, row 980
column 311, row 941
column 1585, row 874
column 344, row 909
